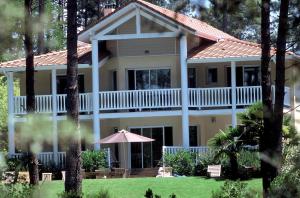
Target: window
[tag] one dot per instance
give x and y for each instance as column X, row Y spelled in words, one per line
column 62, row 84
column 149, row 79
column 212, row 75
column 193, row 134
column 192, row 77
column 251, row 76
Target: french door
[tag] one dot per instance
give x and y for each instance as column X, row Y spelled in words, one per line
column 148, row 154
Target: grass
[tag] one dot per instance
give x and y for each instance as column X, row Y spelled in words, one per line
column 136, row 187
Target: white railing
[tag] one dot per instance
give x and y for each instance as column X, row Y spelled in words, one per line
column 248, row 95
column 210, row 97
column 47, row 158
column 152, row 99
column 44, row 103
column 176, row 149
column 137, row 99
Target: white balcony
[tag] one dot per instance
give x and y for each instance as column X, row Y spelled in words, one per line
column 155, row 99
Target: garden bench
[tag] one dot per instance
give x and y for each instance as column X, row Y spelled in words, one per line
column 214, row 170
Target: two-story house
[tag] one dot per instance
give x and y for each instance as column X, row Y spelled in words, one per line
column 152, row 71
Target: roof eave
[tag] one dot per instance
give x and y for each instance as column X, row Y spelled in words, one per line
column 234, row 59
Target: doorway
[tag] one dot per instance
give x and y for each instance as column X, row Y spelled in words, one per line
column 148, row 154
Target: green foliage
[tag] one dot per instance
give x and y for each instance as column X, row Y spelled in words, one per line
column 103, row 193
column 93, row 160
column 183, row 162
column 203, row 160
column 249, row 159
column 238, row 18
column 286, row 185
column 14, row 164
column 70, row 195
column 149, row 194
column 4, row 110
column 234, row 189
column 17, row 191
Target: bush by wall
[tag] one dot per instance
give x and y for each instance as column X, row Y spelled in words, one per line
column 183, row 162
column 93, row 160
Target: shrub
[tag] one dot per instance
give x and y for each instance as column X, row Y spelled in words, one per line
column 149, row 194
column 16, row 191
column 183, row 162
column 202, row 161
column 235, row 189
column 286, row 185
column 93, row 160
column 249, row 159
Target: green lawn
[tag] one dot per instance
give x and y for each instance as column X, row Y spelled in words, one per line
column 135, row 188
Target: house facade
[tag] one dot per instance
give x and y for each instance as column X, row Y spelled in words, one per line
column 153, row 72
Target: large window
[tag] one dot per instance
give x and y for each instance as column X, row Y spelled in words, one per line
column 149, row 79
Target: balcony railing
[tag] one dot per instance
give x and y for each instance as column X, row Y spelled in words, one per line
column 155, row 99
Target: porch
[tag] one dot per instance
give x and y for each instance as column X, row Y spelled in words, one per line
column 150, row 100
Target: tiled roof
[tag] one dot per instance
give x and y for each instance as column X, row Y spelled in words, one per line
column 227, row 48
column 201, row 28
column 51, row 58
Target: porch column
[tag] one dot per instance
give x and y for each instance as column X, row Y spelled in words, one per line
column 54, row 116
column 184, row 92
column 233, row 94
column 11, row 123
column 95, row 76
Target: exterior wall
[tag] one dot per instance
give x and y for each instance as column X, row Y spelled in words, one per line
column 122, row 64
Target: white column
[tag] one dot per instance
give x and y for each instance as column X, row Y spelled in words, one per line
column 233, row 93
column 184, row 92
column 11, row 124
column 54, row 116
column 95, row 75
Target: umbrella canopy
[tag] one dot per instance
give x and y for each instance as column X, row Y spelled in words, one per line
column 124, row 136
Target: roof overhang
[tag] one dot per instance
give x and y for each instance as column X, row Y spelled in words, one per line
column 235, row 59
column 50, row 67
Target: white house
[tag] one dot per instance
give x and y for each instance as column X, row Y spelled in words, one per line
column 152, row 71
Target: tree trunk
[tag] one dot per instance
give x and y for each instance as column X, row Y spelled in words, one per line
column 73, row 158
column 279, row 83
column 233, row 166
column 41, row 31
column 30, row 95
column 225, row 16
column 266, row 167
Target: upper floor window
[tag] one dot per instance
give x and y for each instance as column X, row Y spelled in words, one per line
column 212, row 75
column 192, row 77
column 62, row 84
column 251, row 76
column 149, row 79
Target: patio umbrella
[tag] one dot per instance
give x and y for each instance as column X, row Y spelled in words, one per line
column 124, row 136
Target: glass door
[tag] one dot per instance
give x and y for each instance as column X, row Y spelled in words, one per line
column 148, row 154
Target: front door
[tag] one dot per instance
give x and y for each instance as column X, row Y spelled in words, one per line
column 148, row 154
